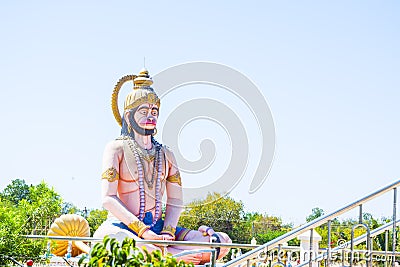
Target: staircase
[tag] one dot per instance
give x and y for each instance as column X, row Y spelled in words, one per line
column 264, row 255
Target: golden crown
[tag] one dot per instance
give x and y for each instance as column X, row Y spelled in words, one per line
column 142, row 93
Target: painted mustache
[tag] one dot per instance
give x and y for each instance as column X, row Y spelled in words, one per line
column 149, row 122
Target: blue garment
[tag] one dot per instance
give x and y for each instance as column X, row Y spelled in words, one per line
column 180, row 232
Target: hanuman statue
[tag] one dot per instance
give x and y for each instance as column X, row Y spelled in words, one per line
column 138, row 171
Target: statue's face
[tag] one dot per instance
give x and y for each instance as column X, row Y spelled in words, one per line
column 146, row 116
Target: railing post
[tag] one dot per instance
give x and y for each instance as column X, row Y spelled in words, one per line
column 328, row 256
column 386, row 246
column 309, row 247
column 369, row 246
column 310, row 263
column 394, row 225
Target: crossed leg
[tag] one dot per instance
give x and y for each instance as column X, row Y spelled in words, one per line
column 203, row 234
column 120, row 234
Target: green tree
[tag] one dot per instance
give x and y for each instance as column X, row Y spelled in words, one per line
column 222, row 213
column 95, row 218
column 69, row 208
column 227, row 215
column 41, row 208
column 30, row 215
column 16, row 191
column 341, row 230
column 266, row 228
column 261, row 222
column 11, row 224
column 315, row 213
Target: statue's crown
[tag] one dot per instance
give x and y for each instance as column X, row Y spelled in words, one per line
column 142, row 92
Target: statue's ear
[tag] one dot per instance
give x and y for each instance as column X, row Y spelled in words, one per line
column 126, row 117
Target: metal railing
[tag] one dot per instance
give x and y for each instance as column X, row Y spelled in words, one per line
column 356, row 241
column 247, row 257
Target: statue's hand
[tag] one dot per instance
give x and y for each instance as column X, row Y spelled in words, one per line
column 167, row 237
column 150, row 235
column 205, row 230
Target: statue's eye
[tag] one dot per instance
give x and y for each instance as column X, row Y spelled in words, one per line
column 154, row 112
column 143, row 111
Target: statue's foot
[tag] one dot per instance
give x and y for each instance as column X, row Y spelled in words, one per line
column 221, row 252
column 224, row 238
column 194, row 258
column 204, row 234
column 191, row 258
column 216, row 239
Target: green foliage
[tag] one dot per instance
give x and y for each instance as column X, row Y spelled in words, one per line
column 112, row 253
column 33, row 212
column 69, row 208
column 315, row 213
column 224, row 214
column 11, row 224
column 341, row 230
column 96, row 218
column 15, row 192
column 221, row 213
column 43, row 201
column 269, row 235
column 266, row 228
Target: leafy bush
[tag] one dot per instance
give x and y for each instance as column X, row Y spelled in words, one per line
column 96, row 218
column 126, row 254
column 25, row 210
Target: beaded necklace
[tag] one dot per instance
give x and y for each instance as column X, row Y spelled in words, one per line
column 141, row 174
column 147, row 154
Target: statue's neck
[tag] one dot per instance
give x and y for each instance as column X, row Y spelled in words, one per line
column 144, row 141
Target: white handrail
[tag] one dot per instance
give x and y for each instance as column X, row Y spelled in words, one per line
column 309, row 226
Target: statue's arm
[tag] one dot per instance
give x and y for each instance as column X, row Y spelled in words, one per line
column 112, row 158
column 174, row 195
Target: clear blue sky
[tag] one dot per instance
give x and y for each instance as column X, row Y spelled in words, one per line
column 329, row 70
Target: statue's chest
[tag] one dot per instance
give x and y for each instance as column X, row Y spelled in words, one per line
column 148, row 171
